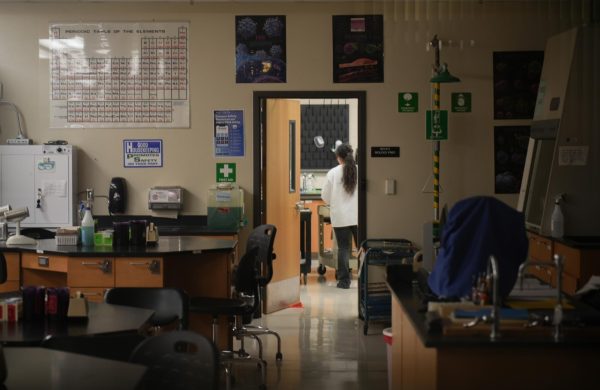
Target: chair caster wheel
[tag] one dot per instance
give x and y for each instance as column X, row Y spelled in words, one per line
column 279, row 356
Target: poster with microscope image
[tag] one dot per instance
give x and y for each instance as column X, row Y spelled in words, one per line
column 357, row 48
column 260, row 49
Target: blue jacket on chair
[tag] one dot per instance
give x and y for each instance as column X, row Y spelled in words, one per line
column 476, row 228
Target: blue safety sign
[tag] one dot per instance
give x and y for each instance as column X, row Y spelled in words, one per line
column 142, row 153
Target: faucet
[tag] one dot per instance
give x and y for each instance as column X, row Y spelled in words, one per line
column 558, row 311
column 495, row 314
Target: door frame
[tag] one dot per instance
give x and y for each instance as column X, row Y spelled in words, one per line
column 259, row 148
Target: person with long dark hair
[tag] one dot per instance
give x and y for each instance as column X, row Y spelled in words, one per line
column 339, row 191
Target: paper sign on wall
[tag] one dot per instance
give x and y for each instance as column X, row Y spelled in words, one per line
column 142, row 153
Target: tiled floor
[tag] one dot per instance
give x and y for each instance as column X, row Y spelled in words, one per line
column 323, row 344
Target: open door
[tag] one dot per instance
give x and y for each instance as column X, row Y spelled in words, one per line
column 282, row 199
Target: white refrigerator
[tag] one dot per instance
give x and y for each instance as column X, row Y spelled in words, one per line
column 42, row 178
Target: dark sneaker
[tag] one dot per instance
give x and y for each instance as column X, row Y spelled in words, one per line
column 343, row 284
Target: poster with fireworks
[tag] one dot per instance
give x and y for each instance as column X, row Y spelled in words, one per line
column 260, row 49
column 358, row 48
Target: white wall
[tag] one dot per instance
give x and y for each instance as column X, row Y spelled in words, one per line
column 466, row 158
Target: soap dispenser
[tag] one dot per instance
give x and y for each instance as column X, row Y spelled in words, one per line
column 557, row 220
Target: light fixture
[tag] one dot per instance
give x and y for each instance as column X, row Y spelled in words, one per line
column 17, row 216
column 337, row 143
column 319, row 141
column 444, row 76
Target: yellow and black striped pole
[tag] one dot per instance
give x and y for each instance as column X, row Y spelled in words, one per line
column 436, row 168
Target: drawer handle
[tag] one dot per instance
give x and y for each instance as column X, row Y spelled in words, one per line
column 105, row 266
column 43, row 261
column 153, row 265
column 89, row 294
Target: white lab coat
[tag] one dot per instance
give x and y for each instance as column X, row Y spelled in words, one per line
column 343, row 206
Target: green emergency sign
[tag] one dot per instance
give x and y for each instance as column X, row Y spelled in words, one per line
column 226, row 172
column 461, row 102
column 408, row 102
column 437, row 125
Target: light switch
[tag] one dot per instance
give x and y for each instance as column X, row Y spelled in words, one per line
column 390, row 186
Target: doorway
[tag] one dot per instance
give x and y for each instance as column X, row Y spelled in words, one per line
column 286, row 280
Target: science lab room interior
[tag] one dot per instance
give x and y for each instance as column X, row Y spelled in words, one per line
column 222, row 194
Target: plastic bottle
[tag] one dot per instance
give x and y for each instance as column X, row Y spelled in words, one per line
column 87, row 228
column 557, row 220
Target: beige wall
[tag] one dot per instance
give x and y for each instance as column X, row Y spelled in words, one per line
column 466, row 158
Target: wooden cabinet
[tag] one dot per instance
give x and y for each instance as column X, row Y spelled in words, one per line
column 139, row 272
column 13, row 272
column 91, row 272
column 579, row 264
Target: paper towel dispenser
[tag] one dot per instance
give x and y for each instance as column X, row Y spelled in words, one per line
column 165, row 198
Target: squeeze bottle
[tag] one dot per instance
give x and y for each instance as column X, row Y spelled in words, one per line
column 557, row 220
column 87, row 228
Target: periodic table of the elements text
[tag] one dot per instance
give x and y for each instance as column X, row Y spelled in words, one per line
column 119, row 75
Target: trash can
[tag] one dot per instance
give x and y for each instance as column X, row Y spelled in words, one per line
column 387, row 338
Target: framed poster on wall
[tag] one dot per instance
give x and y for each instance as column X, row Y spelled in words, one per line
column 260, row 49
column 357, row 48
column 118, row 75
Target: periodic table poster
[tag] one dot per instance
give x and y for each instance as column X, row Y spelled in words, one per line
column 119, row 75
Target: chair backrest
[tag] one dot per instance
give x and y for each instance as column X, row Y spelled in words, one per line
column 263, row 237
column 169, row 304
column 114, row 346
column 178, row 360
column 3, row 272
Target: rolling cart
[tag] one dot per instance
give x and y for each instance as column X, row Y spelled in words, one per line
column 374, row 298
column 328, row 256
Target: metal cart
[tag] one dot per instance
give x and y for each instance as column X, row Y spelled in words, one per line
column 374, row 298
column 328, row 256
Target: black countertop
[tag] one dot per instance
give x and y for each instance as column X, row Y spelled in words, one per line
column 166, row 246
column 183, row 225
column 414, row 305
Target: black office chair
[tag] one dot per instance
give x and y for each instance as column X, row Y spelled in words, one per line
column 241, row 305
column 263, row 238
column 170, row 305
column 180, row 360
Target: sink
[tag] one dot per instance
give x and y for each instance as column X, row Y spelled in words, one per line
column 582, row 240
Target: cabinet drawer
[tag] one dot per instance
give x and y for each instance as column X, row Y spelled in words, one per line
column 540, row 248
column 44, row 262
column 13, row 266
column 10, row 286
column 544, row 274
column 569, row 284
column 93, row 294
column 571, row 258
column 139, row 272
column 91, row 271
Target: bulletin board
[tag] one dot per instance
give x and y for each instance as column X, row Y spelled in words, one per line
column 119, row 75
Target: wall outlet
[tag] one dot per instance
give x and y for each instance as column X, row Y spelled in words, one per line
column 390, row 186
